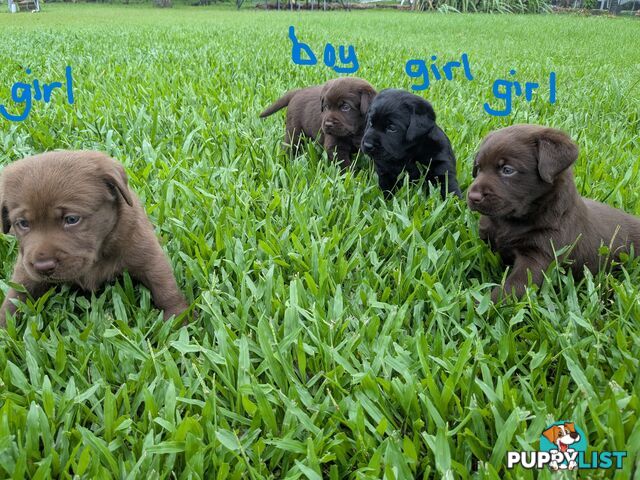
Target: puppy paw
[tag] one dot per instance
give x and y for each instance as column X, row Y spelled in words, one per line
column 176, row 311
column 508, row 293
column 6, row 309
column 497, row 294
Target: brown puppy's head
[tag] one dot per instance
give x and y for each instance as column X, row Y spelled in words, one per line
column 344, row 105
column 62, row 206
column 517, row 166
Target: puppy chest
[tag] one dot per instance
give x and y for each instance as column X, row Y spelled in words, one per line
column 98, row 274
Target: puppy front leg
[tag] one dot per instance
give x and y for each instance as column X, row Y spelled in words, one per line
column 413, row 171
column 449, row 184
column 387, row 183
column 35, row 289
column 485, row 226
column 343, row 154
column 291, row 141
column 517, row 280
column 156, row 274
column 338, row 151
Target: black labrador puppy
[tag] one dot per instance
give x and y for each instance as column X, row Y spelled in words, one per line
column 401, row 132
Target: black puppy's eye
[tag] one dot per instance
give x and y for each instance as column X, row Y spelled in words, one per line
column 345, row 107
column 22, row 224
column 70, row 220
column 391, row 128
column 507, row 171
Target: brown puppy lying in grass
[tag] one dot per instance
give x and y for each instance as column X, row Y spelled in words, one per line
column 78, row 222
column 525, row 191
column 334, row 113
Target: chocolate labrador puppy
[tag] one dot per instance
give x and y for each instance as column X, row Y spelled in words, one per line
column 525, row 191
column 334, row 113
column 401, row 133
column 78, row 222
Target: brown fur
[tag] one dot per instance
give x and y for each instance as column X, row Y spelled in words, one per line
column 528, row 214
column 113, row 234
column 316, row 112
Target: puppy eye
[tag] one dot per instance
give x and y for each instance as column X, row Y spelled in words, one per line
column 507, row 171
column 391, row 128
column 345, row 107
column 70, row 220
column 22, row 224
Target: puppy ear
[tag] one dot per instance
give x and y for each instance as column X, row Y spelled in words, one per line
column 551, row 434
column 366, row 97
column 116, row 180
column 4, row 212
column 556, row 153
column 323, row 93
column 6, row 225
column 423, row 119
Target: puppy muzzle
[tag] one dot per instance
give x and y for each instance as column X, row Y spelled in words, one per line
column 378, row 153
column 336, row 129
column 58, row 268
column 367, row 147
column 484, row 202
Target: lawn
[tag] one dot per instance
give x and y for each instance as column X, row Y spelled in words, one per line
column 340, row 335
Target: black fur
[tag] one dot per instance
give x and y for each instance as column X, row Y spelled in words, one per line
column 401, row 132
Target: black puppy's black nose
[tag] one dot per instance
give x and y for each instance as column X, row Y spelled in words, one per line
column 367, row 145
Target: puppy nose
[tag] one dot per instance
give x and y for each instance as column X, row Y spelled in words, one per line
column 367, row 145
column 474, row 196
column 328, row 123
column 45, row 266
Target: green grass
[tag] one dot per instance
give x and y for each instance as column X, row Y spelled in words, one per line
column 340, row 335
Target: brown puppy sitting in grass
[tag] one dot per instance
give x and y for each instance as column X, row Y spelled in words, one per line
column 334, row 113
column 78, row 222
column 525, row 191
